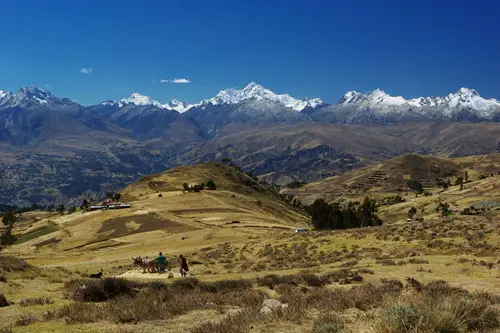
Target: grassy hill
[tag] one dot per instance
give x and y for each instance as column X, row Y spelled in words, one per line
column 161, row 218
column 353, row 280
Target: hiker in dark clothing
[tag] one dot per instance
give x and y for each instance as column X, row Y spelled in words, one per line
column 184, row 265
column 161, row 261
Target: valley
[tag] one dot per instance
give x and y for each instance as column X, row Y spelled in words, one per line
column 56, row 151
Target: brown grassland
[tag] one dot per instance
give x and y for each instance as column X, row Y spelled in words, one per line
column 440, row 274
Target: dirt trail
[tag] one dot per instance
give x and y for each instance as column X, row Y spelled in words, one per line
column 137, row 274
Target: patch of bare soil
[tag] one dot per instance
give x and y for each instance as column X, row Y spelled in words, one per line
column 206, row 210
column 50, row 241
column 120, row 226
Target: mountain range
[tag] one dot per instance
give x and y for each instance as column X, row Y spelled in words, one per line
column 57, row 150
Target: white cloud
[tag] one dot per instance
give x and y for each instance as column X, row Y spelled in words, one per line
column 180, row 81
column 86, row 70
column 48, row 86
column 176, row 81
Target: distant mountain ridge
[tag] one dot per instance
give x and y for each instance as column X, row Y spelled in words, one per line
column 57, row 150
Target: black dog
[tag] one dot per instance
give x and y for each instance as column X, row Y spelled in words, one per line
column 97, row 275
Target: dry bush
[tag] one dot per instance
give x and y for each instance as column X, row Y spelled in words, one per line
column 441, row 308
column 366, row 271
column 6, row 330
column 99, row 290
column 159, row 301
column 25, row 320
column 328, row 323
column 418, row 261
column 35, row 301
column 12, row 264
column 237, row 323
column 349, row 264
column 386, row 262
column 391, row 286
column 3, row 301
column 3, row 278
column 341, row 275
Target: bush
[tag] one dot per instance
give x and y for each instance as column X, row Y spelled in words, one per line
column 26, row 320
column 237, row 323
column 329, row 323
column 399, row 319
column 12, row 264
column 35, row 301
column 3, row 301
column 99, row 290
column 211, row 185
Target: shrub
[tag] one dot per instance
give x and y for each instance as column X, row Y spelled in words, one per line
column 329, row 323
column 99, row 290
column 25, row 320
column 3, row 301
column 211, row 185
column 12, row 264
column 227, row 285
column 418, row 261
column 399, row 319
column 237, row 323
column 35, row 301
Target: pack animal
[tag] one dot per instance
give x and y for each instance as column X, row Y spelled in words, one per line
column 96, row 275
column 145, row 264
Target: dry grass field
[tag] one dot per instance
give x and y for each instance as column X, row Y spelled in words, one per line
column 439, row 274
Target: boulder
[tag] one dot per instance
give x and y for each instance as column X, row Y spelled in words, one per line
column 269, row 305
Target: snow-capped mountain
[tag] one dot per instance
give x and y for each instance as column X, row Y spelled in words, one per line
column 255, row 91
column 380, row 107
column 31, row 97
column 463, row 98
column 141, row 100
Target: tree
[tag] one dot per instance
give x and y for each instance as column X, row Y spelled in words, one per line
column 110, row 195
column 412, row 212
column 185, row 186
column 443, row 208
column 9, row 219
column 85, row 204
column 7, row 238
column 416, row 186
column 466, row 176
column 60, row 209
column 117, row 196
column 211, row 185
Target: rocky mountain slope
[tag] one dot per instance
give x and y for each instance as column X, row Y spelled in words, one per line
column 56, row 150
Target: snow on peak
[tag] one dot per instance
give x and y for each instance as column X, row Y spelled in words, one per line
column 178, row 105
column 142, row 100
column 377, row 97
column 256, row 91
column 138, row 99
column 463, row 98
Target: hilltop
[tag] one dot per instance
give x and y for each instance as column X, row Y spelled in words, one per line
column 162, row 217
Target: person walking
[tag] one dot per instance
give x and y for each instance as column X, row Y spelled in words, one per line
column 161, row 262
column 184, row 265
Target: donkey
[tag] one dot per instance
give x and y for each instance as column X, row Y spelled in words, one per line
column 145, row 264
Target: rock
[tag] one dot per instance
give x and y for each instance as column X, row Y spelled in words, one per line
column 269, row 305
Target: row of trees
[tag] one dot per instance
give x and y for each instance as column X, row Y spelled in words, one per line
column 210, row 185
column 6, row 236
column 334, row 216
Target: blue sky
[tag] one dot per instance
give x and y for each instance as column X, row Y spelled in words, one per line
column 305, row 48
